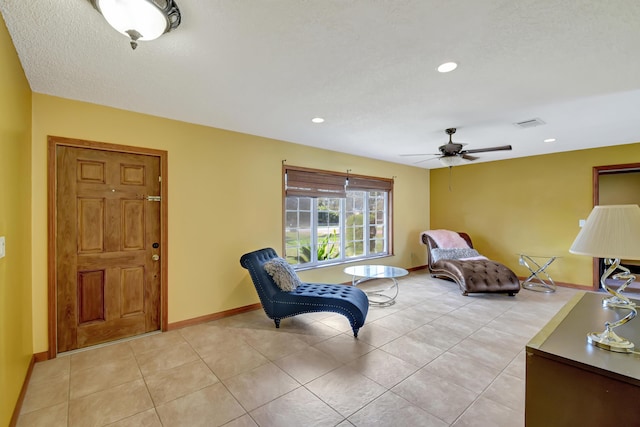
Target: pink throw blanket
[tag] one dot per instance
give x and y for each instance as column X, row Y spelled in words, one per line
column 446, row 239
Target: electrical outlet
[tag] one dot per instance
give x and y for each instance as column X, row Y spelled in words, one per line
column 2, row 249
column 581, row 222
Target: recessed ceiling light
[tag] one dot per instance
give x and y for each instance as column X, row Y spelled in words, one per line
column 447, row 66
column 550, row 140
column 317, row 120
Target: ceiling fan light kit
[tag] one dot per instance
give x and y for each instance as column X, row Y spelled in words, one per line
column 450, row 161
column 140, row 19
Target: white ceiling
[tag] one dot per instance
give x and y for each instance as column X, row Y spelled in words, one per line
column 267, row 67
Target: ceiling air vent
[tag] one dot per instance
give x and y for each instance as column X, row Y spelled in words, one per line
column 530, row 123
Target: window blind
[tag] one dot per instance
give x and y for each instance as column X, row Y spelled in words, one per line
column 357, row 183
column 302, row 182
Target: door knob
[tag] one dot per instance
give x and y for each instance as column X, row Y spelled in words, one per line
column 155, row 257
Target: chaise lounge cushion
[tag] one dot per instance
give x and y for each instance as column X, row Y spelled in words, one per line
column 458, row 253
column 479, row 275
column 282, row 273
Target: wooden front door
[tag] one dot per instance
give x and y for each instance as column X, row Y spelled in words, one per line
column 107, row 245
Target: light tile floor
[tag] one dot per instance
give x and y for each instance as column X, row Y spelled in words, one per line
column 435, row 358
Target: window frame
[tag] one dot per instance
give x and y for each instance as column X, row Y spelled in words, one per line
column 309, row 182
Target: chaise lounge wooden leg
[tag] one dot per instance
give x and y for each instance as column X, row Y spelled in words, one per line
column 277, row 322
column 355, row 332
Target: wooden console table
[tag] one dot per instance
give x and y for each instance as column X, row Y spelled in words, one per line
column 570, row 382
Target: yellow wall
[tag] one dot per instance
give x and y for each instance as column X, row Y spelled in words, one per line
column 620, row 189
column 16, row 344
column 529, row 205
column 225, row 199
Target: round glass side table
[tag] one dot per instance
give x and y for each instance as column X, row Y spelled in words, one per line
column 381, row 296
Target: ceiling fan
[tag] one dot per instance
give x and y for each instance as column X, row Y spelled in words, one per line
column 451, row 153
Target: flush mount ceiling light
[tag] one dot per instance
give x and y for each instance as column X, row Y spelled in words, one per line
column 550, row 140
column 317, row 120
column 447, row 67
column 140, row 19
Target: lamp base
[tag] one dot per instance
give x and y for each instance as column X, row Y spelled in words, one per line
column 617, row 299
column 609, row 340
column 617, row 302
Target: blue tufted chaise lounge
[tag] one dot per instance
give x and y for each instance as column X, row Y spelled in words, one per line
column 349, row 301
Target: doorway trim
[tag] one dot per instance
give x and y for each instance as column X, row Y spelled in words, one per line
column 605, row 170
column 53, row 142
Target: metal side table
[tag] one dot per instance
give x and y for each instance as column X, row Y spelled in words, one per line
column 534, row 282
column 380, row 296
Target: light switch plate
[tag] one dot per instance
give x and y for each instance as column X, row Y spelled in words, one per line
column 2, row 248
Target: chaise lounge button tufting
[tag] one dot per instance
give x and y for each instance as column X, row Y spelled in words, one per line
column 306, row 298
column 477, row 274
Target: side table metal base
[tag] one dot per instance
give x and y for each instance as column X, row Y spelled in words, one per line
column 378, row 295
column 534, row 282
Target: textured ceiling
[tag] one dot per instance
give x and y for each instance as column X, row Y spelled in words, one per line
column 266, row 67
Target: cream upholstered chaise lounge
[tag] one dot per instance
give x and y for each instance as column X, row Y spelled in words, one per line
column 452, row 256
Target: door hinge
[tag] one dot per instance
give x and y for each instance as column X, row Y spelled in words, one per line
column 153, row 198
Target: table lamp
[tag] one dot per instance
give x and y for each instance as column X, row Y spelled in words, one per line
column 612, row 232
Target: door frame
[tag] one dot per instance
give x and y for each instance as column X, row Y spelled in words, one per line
column 605, row 170
column 53, row 143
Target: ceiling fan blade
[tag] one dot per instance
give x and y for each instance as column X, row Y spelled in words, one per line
column 468, row 157
column 426, row 160
column 485, row 150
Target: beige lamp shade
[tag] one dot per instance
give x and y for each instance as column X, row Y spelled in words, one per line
column 611, row 231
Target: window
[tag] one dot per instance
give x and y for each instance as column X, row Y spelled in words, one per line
column 333, row 217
